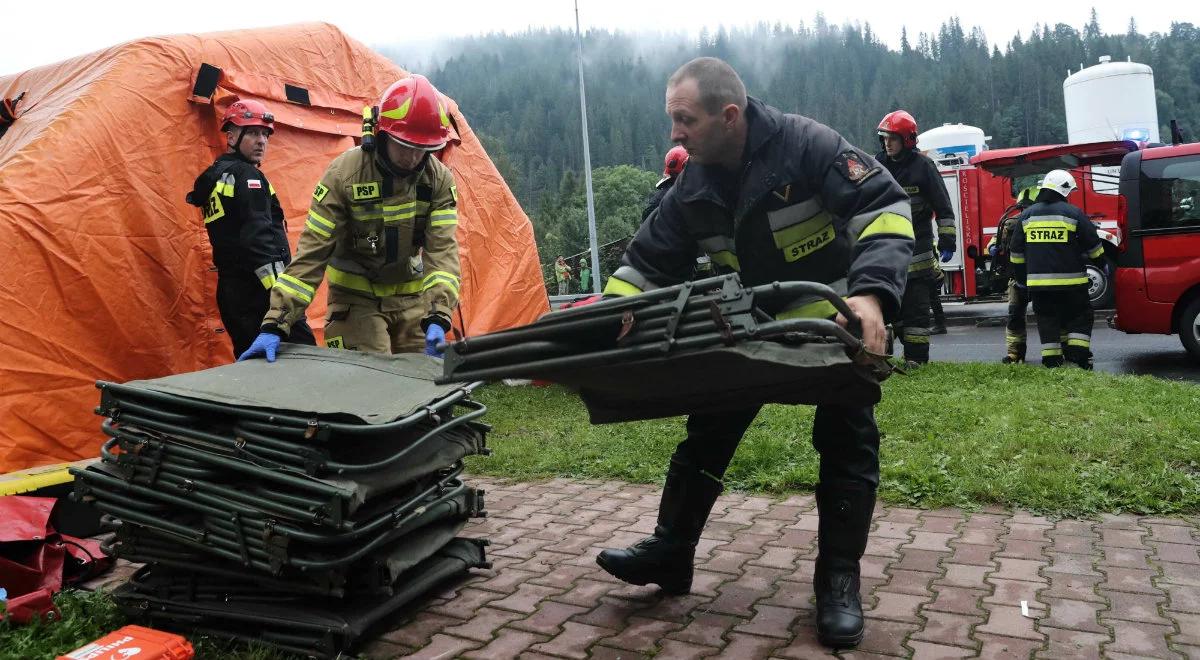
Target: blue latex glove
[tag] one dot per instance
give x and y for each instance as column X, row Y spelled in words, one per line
column 434, row 336
column 993, row 249
column 947, row 255
column 266, row 343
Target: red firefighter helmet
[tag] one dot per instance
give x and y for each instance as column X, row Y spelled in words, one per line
column 676, row 158
column 248, row 113
column 413, row 113
column 901, row 124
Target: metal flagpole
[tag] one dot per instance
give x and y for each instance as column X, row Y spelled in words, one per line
column 587, row 163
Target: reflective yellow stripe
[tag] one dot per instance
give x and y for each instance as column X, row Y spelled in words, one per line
column 923, row 265
column 801, row 230
column 821, row 309
column 1079, row 342
column 268, row 281
column 888, row 223
column 1046, row 352
column 947, row 230
column 313, row 216
column 443, row 218
column 1096, row 252
column 726, row 258
column 619, row 287
column 313, row 226
column 399, row 207
column 1057, row 282
column 361, row 284
column 440, row 277
column 296, row 286
column 1016, row 258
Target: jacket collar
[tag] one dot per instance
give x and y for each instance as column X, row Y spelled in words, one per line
column 704, row 182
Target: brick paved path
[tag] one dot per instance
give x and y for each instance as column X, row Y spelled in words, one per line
column 937, row 584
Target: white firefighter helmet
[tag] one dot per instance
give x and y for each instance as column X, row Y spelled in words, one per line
column 1060, row 181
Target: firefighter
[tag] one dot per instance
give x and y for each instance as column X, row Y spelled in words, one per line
column 381, row 225
column 245, row 225
column 927, row 193
column 673, row 164
column 1047, row 253
column 1018, row 297
column 808, row 207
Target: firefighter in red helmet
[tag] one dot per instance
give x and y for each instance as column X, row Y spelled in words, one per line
column 673, row 164
column 245, row 224
column 382, row 227
column 919, row 177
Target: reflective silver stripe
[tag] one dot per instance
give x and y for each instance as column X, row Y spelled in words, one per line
column 1051, row 218
column 945, row 222
column 631, row 275
column 1079, row 335
column 794, row 214
column 838, row 286
column 860, row 222
column 924, row 256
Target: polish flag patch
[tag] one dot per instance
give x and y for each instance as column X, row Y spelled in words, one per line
column 253, row 183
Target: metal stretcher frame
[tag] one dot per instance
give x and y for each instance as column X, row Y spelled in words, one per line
column 160, row 449
column 324, row 630
column 125, row 501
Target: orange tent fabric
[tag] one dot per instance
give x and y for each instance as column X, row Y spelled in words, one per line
column 107, row 271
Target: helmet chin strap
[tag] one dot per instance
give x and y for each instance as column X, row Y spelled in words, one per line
column 381, row 154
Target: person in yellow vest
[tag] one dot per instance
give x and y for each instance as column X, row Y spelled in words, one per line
column 562, row 275
column 382, row 228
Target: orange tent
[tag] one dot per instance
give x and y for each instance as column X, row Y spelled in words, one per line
column 107, row 271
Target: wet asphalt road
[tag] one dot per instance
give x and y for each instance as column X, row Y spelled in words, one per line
column 1115, row 352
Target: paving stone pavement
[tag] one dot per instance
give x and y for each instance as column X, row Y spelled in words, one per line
column 936, row 584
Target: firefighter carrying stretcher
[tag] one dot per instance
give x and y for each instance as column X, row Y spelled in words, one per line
column 774, row 197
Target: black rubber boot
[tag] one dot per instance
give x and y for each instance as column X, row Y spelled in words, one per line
column 666, row 558
column 844, row 508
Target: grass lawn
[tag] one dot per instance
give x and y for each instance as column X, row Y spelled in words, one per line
column 1063, row 442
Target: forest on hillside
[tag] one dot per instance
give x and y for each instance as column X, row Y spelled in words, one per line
column 520, row 93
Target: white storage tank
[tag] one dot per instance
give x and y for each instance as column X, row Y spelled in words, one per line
column 949, row 140
column 1111, row 101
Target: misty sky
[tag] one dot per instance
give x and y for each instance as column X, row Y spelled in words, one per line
column 31, row 36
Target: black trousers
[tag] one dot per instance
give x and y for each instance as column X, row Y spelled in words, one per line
column 1064, row 320
column 243, row 303
column 935, row 299
column 915, row 320
column 1014, row 332
column 846, row 437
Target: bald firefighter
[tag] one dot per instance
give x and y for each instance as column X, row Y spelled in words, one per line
column 381, row 227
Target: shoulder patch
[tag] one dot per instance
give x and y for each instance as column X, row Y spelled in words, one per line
column 320, row 192
column 854, row 167
column 254, row 184
column 364, row 191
